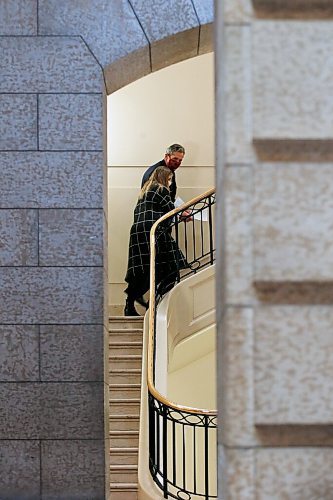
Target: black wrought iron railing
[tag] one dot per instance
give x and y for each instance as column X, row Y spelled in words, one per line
column 182, row 440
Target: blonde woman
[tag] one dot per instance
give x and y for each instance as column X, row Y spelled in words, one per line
column 154, row 201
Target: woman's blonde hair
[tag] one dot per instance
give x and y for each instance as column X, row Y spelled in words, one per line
column 160, row 177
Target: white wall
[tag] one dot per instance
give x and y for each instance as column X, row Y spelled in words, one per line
column 192, row 371
column 175, row 104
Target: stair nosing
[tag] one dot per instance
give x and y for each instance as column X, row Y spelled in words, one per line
column 135, row 343
column 125, row 416
column 125, row 330
column 127, row 356
column 124, row 467
column 122, row 433
column 119, row 331
column 123, row 450
column 126, row 318
column 125, row 386
column 125, row 370
column 123, row 486
column 124, row 400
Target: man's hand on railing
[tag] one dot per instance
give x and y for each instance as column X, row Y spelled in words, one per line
column 186, row 216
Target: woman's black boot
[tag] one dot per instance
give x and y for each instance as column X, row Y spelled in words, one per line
column 142, row 302
column 129, row 308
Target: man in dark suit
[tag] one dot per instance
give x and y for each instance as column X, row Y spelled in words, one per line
column 172, row 159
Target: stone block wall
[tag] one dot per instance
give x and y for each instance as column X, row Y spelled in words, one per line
column 275, row 72
column 52, row 265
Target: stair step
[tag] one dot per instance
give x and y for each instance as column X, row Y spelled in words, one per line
column 124, row 473
column 127, row 439
column 126, row 348
column 129, row 335
column 124, row 319
column 124, row 456
column 124, row 322
column 125, row 361
column 121, row 406
column 122, row 391
column 117, row 344
column 124, row 486
column 124, row 422
column 130, row 329
column 125, row 493
column 125, row 375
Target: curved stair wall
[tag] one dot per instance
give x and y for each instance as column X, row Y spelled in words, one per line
column 185, row 314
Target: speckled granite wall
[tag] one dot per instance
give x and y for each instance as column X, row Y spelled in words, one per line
column 275, row 352
column 52, row 381
column 57, row 60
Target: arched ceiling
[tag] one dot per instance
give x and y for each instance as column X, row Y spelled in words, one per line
column 132, row 38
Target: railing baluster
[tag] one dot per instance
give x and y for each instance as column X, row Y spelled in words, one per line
column 157, row 441
column 177, row 242
column 174, row 459
column 206, row 459
column 176, row 223
column 194, row 461
column 154, row 346
column 152, row 435
column 202, row 235
column 165, row 450
column 210, row 218
column 184, row 459
column 185, row 241
column 194, row 242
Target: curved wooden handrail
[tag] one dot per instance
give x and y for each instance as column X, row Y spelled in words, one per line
column 150, row 379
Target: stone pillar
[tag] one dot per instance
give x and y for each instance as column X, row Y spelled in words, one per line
column 275, row 178
column 52, row 270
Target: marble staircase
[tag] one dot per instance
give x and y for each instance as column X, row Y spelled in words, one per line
column 125, row 356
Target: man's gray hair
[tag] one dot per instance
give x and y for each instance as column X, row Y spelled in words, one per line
column 175, row 148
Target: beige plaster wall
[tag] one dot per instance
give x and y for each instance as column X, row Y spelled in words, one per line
column 192, row 373
column 174, row 104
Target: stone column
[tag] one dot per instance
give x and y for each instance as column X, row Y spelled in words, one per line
column 52, row 270
column 275, row 183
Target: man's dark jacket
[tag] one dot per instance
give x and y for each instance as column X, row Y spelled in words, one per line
column 150, row 170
